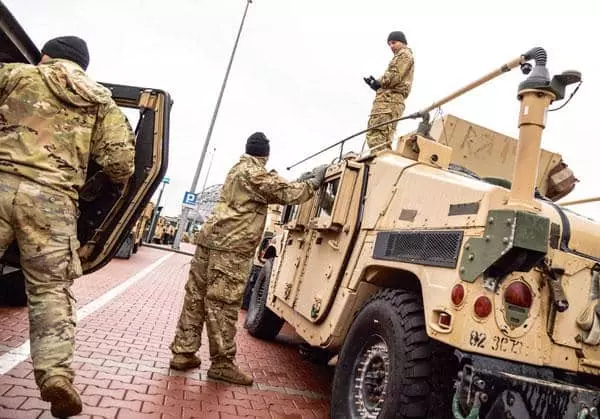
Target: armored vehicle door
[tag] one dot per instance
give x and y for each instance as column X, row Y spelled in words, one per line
column 108, row 213
column 315, row 258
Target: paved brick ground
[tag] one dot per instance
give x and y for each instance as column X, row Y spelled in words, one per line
column 122, row 355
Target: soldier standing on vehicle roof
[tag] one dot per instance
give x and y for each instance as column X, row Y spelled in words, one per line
column 392, row 91
column 53, row 118
column 225, row 247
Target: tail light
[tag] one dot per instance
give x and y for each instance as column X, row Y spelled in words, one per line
column 518, row 299
column 518, row 294
column 458, row 294
column 482, row 307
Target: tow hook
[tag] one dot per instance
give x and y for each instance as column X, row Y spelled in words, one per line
column 588, row 413
column 473, row 413
column 467, row 381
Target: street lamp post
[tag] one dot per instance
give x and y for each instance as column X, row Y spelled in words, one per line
column 185, row 210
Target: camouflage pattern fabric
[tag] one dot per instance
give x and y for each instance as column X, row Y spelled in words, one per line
column 396, row 84
column 223, row 258
column 214, row 292
column 53, row 118
column 239, row 216
column 44, row 224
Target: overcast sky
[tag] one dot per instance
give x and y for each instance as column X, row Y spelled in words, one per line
column 297, row 73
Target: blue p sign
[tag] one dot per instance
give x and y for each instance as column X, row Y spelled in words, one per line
column 189, row 198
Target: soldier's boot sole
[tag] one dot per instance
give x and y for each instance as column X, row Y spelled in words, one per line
column 184, row 363
column 64, row 399
column 234, row 377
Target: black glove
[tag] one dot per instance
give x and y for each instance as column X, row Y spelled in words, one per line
column 304, row 176
column 373, row 84
column 318, row 174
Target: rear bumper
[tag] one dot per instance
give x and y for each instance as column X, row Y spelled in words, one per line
column 488, row 388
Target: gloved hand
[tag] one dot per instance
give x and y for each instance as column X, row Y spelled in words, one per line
column 372, row 82
column 318, row 176
column 304, row 176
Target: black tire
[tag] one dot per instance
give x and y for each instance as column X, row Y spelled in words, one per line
column 250, row 286
column 12, row 289
column 261, row 322
column 126, row 248
column 388, row 367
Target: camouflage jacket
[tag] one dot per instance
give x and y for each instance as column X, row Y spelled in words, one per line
column 238, row 219
column 396, row 83
column 53, row 118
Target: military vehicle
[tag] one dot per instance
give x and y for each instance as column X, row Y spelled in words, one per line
column 134, row 239
column 107, row 213
column 448, row 286
column 268, row 248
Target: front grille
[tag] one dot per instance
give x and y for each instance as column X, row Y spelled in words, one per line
column 433, row 248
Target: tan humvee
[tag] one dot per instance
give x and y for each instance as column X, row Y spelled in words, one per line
column 133, row 241
column 444, row 275
column 269, row 246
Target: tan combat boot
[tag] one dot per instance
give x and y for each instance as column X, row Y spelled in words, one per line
column 184, row 362
column 228, row 371
column 63, row 397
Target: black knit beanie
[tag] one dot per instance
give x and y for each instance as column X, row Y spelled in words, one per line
column 397, row 36
column 68, row 48
column 257, row 145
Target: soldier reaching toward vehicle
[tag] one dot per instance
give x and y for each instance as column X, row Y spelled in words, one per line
column 225, row 247
column 53, row 118
column 392, row 91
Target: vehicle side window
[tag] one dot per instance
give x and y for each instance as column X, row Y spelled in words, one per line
column 327, row 198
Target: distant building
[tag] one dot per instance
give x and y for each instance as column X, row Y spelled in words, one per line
column 206, row 203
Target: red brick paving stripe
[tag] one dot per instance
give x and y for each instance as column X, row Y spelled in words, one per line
column 19, row 414
column 134, row 405
column 202, row 414
column 12, row 402
column 122, row 364
column 128, row 414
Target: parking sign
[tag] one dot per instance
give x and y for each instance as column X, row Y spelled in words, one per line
column 189, row 200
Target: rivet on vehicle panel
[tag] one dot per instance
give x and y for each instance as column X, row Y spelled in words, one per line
column 488, row 238
column 491, row 220
column 509, row 221
column 462, row 270
column 471, row 256
column 483, row 397
column 505, row 240
column 467, row 246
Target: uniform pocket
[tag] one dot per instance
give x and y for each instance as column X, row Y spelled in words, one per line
column 74, row 269
column 228, row 273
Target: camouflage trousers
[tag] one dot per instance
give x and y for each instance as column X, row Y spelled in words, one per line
column 44, row 224
column 213, row 294
column 384, row 134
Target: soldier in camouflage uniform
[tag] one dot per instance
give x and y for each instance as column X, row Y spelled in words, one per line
column 392, row 90
column 53, row 119
column 225, row 248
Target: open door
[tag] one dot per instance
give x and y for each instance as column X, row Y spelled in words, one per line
column 107, row 212
column 329, row 242
column 320, row 238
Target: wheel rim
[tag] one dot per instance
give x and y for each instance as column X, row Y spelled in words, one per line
column 371, row 377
